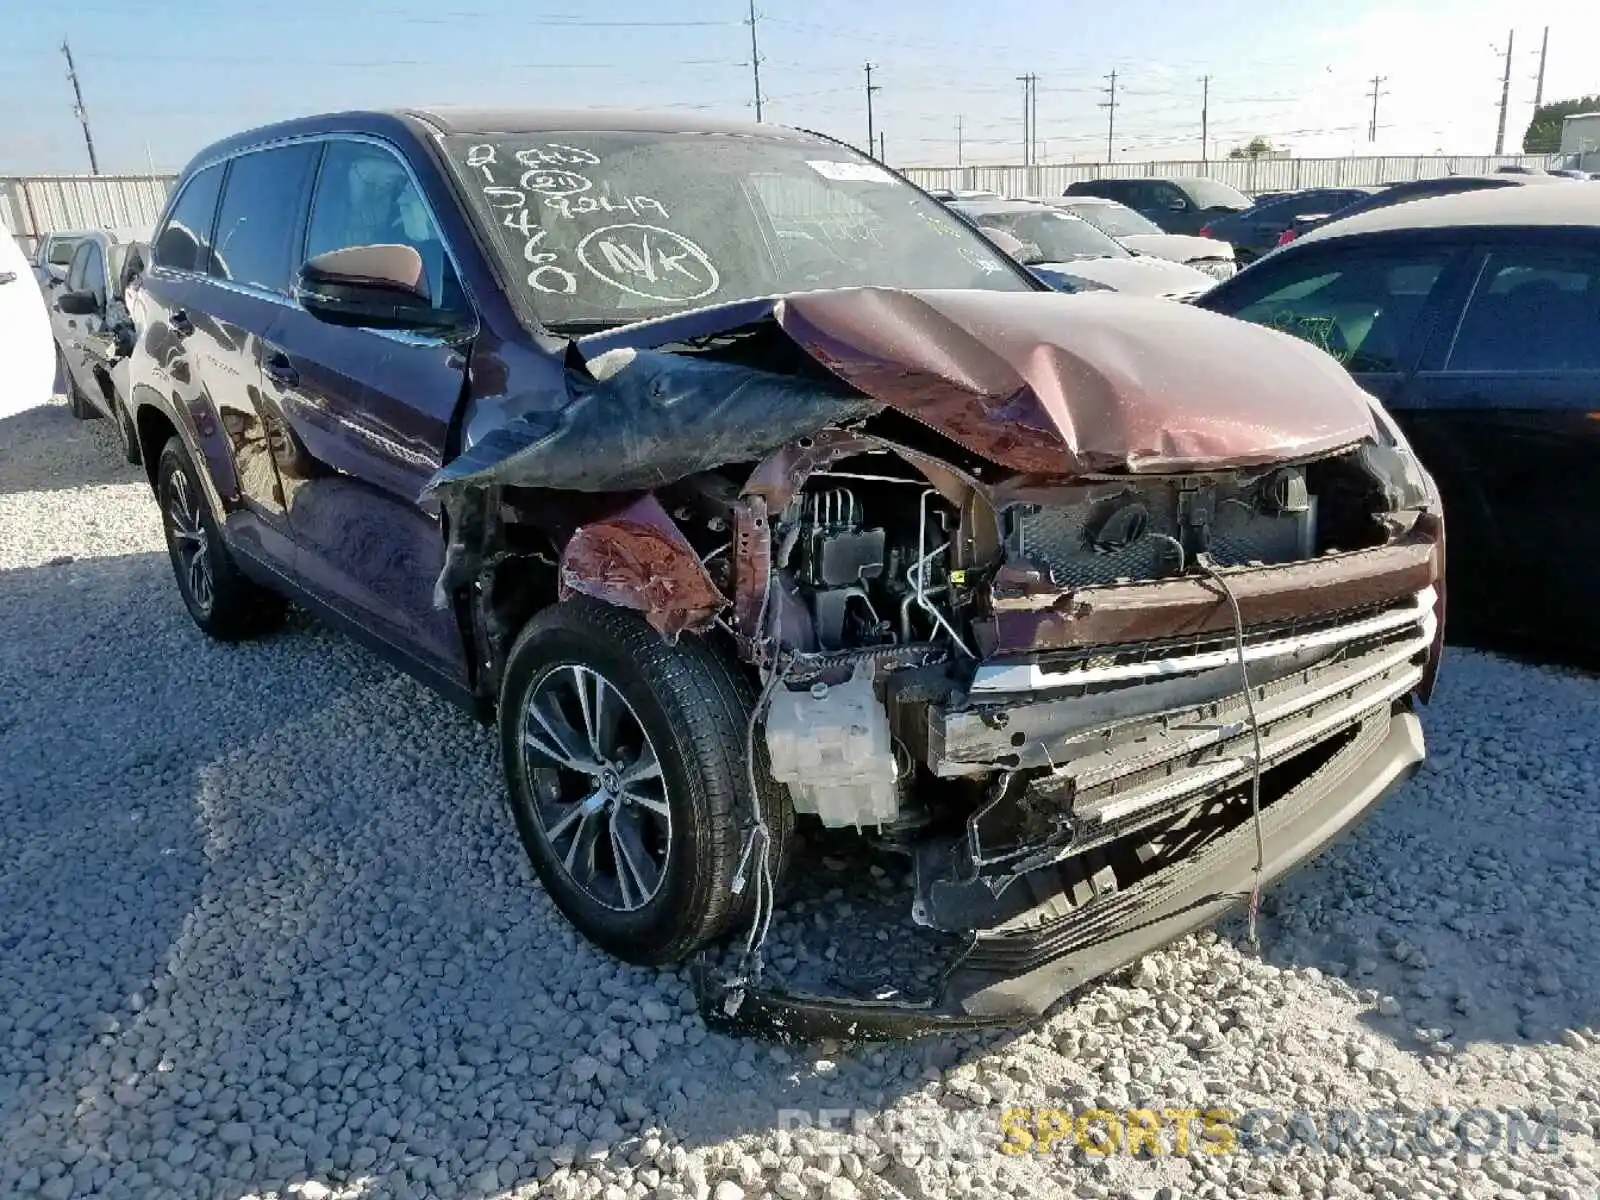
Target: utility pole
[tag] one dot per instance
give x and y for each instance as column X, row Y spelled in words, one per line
column 1027, row 119
column 959, row 160
column 1033, row 117
column 1110, row 105
column 883, row 155
column 1205, row 114
column 1377, row 82
column 1505, row 96
column 872, row 139
column 755, row 58
column 1544, row 49
column 78, row 110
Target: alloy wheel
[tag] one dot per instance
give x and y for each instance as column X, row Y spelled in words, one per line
column 599, row 795
column 190, row 541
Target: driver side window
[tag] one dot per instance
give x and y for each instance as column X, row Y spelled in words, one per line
column 1359, row 308
column 365, row 197
column 1165, row 196
column 78, row 271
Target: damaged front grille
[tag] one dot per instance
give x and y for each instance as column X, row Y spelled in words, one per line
column 1150, row 531
column 1112, row 748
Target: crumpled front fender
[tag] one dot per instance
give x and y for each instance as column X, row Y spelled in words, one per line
column 638, row 559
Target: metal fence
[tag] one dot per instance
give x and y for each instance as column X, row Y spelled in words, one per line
column 1250, row 175
column 33, row 205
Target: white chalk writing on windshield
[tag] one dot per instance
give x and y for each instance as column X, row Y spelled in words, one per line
column 547, row 181
column 648, row 261
column 556, row 154
column 578, row 206
column 481, row 158
column 546, row 276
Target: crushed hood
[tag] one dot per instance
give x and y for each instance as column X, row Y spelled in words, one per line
column 1064, row 385
column 1039, row 383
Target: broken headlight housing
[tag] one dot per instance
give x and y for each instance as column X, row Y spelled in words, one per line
column 1408, row 488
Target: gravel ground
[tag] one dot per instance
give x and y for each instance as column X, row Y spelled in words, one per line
column 265, row 929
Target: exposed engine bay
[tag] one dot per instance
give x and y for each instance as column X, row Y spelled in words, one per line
column 1060, row 686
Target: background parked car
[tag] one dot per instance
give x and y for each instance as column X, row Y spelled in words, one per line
column 93, row 331
column 1143, row 236
column 1180, row 205
column 1072, row 255
column 1256, row 230
column 54, row 253
column 1476, row 320
column 26, row 365
column 948, row 194
column 1415, row 189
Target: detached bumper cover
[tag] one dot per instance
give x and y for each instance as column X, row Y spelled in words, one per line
column 1013, row 977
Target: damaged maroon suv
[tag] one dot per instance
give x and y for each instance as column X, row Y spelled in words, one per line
column 752, row 493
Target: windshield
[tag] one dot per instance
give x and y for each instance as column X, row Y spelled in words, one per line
column 1056, row 236
column 606, row 228
column 1208, row 193
column 1113, row 219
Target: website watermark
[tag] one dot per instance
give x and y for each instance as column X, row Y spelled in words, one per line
column 1095, row 1132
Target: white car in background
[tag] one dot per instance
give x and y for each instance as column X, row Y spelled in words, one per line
column 1143, row 236
column 1072, row 255
column 27, row 353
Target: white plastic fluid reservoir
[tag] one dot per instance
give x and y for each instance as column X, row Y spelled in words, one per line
column 832, row 748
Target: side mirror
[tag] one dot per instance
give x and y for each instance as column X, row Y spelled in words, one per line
column 374, row 287
column 78, row 304
column 1177, row 204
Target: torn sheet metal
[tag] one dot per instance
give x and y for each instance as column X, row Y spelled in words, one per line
column 638, row 560
column 1044, row 384
column 1072, row 385
column 1039, row 616
column 641, row 419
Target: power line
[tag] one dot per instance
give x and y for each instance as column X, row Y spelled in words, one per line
column 1505, row 96
column 1110, row 106
column 755, row 59
column 77, row 108
column 1377, row 82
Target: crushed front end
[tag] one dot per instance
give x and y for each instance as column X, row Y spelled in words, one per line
column 1033, row 696
column 1081, row 617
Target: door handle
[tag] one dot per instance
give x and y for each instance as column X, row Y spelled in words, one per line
column 180, row 323
column 8, row 277
column 277, row 367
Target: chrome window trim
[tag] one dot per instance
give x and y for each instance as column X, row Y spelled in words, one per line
column 404, row 337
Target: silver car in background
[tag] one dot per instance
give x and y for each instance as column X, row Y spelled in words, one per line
column 1143, row 236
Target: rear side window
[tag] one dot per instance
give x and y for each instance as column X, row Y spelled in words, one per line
column 1360, row 308
column 258, row 227
column 1533, row 309
column 61, row 251
column 184, row 243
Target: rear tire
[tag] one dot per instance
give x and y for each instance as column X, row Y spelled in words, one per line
column 659, row 768
column 77, row 405
column 127, row 433
column 224, row 603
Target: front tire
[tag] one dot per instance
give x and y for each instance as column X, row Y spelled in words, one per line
column 224, row 603
column 625, row 764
